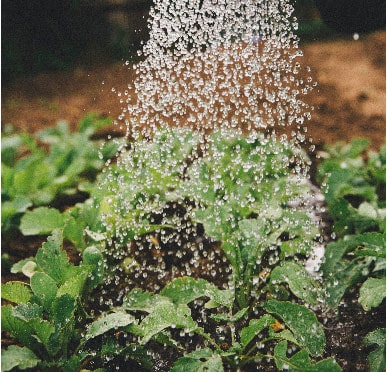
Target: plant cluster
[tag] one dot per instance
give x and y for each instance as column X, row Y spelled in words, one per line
column 355, row 183
column 245, row 195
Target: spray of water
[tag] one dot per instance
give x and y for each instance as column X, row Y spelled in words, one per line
column 209, row 66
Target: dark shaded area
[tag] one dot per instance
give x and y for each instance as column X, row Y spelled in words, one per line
column 353, row 15
column 50, row 35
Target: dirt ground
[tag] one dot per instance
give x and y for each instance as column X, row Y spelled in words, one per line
column 349, row 100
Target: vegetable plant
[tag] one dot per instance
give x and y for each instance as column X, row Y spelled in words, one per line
column 46, row 315
column 36, row 171
column 355, row 181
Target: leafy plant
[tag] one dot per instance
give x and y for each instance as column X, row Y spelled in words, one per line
column 244, row 195
column 33, row 176
column 44, row 315
column 355, row 181
column 170, row 310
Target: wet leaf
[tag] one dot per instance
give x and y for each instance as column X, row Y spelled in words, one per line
column 199, row 361
column 45, row 288
column 17, row 328
column 185, row 290
column 108, row 322
column 41, row 221
column 255, row 326
column 372, row 293
column 93, row 257
column 16, row 292
column 376, row 360
column 302, row 322
column 63, row 309
column 165, row 315
column 53, row 260
column 301, row 361
column 16, row 356
column 143, row 301
column 27, row 312
column 300, row 282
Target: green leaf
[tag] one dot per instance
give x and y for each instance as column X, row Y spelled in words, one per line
column 372, row 244
column 143, row 301
column 41, row 221
column 16, row 327
column 16, row 356
column 53, row 260
column 165, row 315
column 93, row 257
column 108, row 322
column 44, row 288
column 301, row 361
column 199, row 361
column 63, row 309
column 74, row 286
column 255, row 326
column 186, row 289
column 302, row 322
column 28, row 311
column 300, row 282
column 17, row 292
column 376, row 360
column 372, row 293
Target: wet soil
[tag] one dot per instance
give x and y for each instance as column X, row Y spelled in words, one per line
column 349, row 102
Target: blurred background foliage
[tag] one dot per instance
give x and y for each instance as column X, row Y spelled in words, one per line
column 52, row 35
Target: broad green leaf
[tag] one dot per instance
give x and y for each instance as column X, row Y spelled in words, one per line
column 93, row 257
column 300, row 282
column 302, row 322
column 165, row 315
column 74, row 286
column 376, row 360
column 347, row 274
column 143, row 301
column 186, row 289
column 255, row 326
column 199, row 361
column 16, row 292
column 372, row 293
column 372, row 244
column 28, row 311
column 53, row 260
column 10, row 208
column 41, row 221
column 16, row 327
column 20, row 357
column 42, row 329
column 44, row 288
column 63, row 309
column 301, row 361
column 108, row 322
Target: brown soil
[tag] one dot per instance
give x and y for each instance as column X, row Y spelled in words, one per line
column 349, row 101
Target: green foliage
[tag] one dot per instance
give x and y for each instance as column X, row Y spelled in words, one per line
column 301, row 361
column 44, row 319
column 376, row 359
column 242, row 191
column 33, row 176
column 355, row 181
